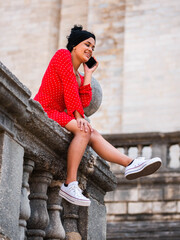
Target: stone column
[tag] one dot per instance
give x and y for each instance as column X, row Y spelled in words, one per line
column 71, row 221
column 39, row 218
column 11, row 170
column 25, row 210
column 54, row 230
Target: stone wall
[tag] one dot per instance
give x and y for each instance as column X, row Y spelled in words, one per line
column 30, row 38
column 137, row 47
column 151, row 66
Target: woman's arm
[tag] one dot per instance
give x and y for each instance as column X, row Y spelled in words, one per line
column 85, row 91
column 63, row 64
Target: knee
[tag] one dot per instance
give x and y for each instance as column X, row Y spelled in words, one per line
column 84, row 135
column 94, row 135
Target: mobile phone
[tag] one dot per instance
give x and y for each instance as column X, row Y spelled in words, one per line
column 91, row 62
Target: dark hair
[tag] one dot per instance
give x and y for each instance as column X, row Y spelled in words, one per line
column 78, row 35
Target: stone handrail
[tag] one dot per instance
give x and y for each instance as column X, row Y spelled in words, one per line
column 33, row 152
column 153, row 144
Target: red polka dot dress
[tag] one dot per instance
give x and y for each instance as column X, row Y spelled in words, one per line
column 59, row 90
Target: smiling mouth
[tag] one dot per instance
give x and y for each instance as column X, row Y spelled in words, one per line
column 88, row 55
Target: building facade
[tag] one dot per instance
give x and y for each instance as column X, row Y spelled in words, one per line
column 137, row 48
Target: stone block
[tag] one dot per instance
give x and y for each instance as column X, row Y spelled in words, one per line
column 150, row 194
column 172, row 192
column 164, row 207
column 123, row 195
column 178, row 206
column 139, row 207
column 116, row 208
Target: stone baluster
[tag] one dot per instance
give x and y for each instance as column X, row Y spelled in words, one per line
column 126, row 151
column 54, row 230
column 39, row 218
column 160, row 149
column 70, row 223
column 25, row 206
column 139, row 147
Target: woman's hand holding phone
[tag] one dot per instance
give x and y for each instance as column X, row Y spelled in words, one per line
column 90, row 65
column 88, row 72
column 91, row 62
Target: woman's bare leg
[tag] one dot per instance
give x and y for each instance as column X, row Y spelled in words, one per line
column 78, row 145
column 105, row 150
column 76, row 149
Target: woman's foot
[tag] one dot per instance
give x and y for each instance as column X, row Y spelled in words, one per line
column 141, row 167
column 73, row 194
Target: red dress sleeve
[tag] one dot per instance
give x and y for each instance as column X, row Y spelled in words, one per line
column 63, row 65
column 85, row 93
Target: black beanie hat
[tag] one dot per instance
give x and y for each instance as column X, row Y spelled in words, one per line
column 78, row 35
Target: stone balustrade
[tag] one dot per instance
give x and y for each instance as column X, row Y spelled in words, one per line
column 147, row 208
column 152, row 144
column 33, row 151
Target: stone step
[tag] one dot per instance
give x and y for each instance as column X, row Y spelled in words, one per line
column 143, row 230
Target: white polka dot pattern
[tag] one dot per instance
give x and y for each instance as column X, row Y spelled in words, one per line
column 59, row 90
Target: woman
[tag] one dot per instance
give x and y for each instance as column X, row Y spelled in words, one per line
column 64, row 88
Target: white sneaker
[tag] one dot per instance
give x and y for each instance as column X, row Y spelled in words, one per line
column 141, row 167
column 73, row 194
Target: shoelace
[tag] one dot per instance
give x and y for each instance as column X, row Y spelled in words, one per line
column 76, row 190
column 138, row 161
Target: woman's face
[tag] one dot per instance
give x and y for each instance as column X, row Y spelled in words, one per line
column 84, row 49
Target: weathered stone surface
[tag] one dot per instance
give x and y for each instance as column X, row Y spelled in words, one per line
column 95, row 229
column 150, row 193
column 164, row 207
column 11, row 158
column 71, row 218
column 2, row 237
column 145, row 230
column 39, row 218
column 172, row 191
column 73, row 236
column 55, row 229
column 25, row 210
